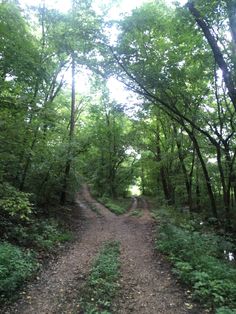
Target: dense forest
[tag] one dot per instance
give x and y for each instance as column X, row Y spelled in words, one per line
column 173, row 139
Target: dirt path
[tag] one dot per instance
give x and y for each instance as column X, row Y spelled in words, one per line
column 146, row 283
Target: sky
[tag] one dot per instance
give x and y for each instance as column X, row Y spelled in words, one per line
column 124, row 5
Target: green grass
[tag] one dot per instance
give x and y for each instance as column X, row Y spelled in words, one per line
column 197, row 258
column 117, row 206
column 102, row 285
column 136, row 213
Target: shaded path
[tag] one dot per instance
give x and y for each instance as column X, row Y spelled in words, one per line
column 146, row 283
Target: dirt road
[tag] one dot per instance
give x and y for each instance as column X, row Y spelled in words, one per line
column 147, row 287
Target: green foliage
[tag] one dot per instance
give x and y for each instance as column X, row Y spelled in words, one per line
column 198, row 261
column 16, row 266
column 113, row 205
column 18, row 263
column 225, row 310
column 136, row 213
column 102, row 285
column 42, row 234
column 15, row 203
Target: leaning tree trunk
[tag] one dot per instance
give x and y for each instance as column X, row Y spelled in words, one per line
column 218, row 54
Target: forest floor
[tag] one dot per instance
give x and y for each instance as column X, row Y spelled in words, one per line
column 147, row 285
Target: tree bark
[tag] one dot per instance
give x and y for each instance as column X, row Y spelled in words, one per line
column 71, row 134
column 206, row 174
column 164, row 178
column 184, row 170
column 218, row 55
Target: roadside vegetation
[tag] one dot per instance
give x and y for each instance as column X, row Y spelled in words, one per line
column 174, row 135
column 136, row 213
column 200, row 258
column 116, row 205
column 26, row 238
column 102, row 285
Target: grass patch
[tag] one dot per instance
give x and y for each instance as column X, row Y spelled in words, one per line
column 197, row 257
column 102, row 285
column 117, row 206
column 136, row 213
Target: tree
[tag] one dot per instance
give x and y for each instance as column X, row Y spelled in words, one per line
column 155, row 60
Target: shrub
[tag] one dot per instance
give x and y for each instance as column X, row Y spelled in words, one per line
column 225, row 310
column 113, row 206
column 15, row 203
column 136, row 213
column 48, row 233
column 16, row 266
column 43, row 234
column 197, row 260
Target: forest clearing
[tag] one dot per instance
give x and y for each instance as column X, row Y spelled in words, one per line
column 117, row 156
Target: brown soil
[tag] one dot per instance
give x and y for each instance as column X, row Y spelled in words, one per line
column 147, row 285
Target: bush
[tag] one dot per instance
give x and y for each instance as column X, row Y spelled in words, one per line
column 47, row 233
column 15, row 203
column 15, row 267
column 113, row 205
column 197, row 260
column 225, row 310
column 43, row 234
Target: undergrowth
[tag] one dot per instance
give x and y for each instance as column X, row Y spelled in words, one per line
column 117, row 206
column 102, row 284
column 19, row 261
column 24, row 237
column 198, row 260
column 41, row 234
column 136, row 213
column 16, row 265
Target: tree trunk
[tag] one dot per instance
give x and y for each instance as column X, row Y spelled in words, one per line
column 198, row 193
column 225, row 187
column 184, row 170
column 28, row 160
column 218, row 55
column 71, row 135
column 168, row 193
column 206, row 174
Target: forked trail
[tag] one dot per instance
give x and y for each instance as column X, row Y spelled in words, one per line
column 147, row 286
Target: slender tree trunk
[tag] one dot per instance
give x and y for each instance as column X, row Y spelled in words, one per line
column 71, row 135
column 184, row 170
column 164, row 178
column 198, row 193
column 28, row 160
column 206, row 174
column 142, row 179
column 225, row 187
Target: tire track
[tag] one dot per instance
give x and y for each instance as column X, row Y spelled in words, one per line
column 147, row 286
